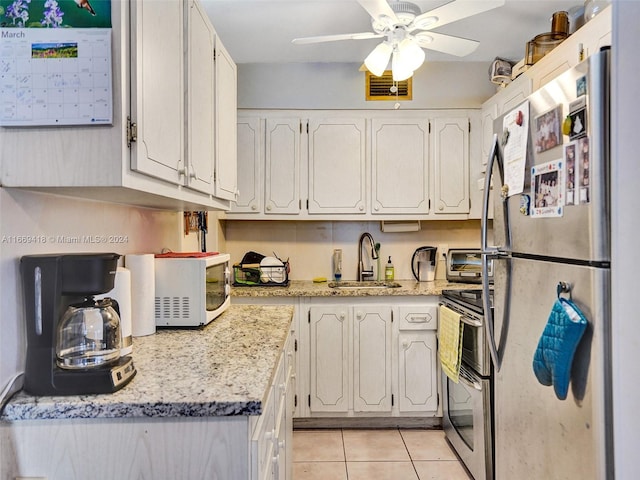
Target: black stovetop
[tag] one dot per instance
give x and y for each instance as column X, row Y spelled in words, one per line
column 471, row 298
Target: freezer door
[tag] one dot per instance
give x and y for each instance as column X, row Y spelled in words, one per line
column 582, row 232
column 537, row 435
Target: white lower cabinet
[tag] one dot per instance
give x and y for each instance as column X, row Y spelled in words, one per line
column 272, row 439
column 417, row 381
column 350, row 359
column 377, row 358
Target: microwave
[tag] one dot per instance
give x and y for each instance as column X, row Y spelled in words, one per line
column 191, row 291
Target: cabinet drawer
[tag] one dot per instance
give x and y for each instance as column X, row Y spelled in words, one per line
column 418, row 317
column 262, row 442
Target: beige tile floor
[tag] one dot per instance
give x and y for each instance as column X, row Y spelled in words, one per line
column 374, row 455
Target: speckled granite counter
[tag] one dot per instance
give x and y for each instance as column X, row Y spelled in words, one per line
column 222, row 369
column 307, row 288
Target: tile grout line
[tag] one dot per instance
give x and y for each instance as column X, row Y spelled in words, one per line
column 409, row 453
column 344, row 453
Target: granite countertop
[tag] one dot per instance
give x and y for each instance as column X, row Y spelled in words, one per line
column 307, row 288
column 222, row 369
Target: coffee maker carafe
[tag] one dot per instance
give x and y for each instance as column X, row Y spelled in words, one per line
column 73, row 340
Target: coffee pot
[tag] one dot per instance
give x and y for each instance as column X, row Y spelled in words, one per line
column 73, row 339
column 423, row 264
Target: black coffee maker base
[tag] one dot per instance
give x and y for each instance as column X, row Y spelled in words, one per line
column 107, row 379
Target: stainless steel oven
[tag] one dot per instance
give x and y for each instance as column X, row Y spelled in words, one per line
column 467, row 405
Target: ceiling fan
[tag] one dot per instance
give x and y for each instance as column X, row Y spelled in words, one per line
column 406, row 31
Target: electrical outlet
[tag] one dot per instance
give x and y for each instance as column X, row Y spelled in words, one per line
column 443, row 248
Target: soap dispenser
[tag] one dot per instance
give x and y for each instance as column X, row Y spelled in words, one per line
column 389, row 271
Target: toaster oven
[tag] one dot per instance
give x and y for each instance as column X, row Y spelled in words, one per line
column 464, row 265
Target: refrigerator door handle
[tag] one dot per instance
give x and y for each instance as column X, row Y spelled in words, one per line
column 494, row 155
column 492, row 251
column 488, row 313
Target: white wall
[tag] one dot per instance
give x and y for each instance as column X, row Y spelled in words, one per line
column 309, row 245
column 625, row 205
column 32, row 223
column 342, row 86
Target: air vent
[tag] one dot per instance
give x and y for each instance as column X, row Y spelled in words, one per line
column 384, row 88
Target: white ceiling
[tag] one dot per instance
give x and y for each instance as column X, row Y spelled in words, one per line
column 260, row 31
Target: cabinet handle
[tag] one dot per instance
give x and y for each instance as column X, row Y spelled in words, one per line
column 342, row 316
column 269, row 207
column 359, row 315
column 405, row 344
column 361, row 208
column 376, row 208
column 182, row 171
column 281, row 444
column 254, row 207
column 416, row 319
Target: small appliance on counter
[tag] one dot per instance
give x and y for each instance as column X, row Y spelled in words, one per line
column 464, row 265
column 423, row 264
column 73, row 339
column 192, row 289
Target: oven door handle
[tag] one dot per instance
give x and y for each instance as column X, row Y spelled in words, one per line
column 471, row 322
column 476, row 385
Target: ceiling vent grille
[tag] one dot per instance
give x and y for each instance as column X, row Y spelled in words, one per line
column 384, row 88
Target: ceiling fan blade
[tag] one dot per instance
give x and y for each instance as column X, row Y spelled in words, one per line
column 440, row 42
column 333, row 38
column 379, row 9
column 452, row 11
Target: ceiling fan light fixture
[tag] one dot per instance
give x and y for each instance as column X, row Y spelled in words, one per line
column 377, row 61
column 410, row 54
column 422, row 23
column 400, row 69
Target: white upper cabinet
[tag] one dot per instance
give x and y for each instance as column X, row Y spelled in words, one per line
column 399, row 166
column 201, row 106
column 250, row 166
column 337, row 165
column 357, row 165
column 157, row 106
column 282, row 166
column 451, row 164
column 161, row 149
column 226, row 114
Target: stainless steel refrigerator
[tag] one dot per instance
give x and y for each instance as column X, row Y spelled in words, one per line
column 552, row 240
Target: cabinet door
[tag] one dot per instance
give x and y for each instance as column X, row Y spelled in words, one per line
column 417, row 379
column 399, row 163
column 282, row 166
column 329, row 380
column 372, row 359
column 201, row 106
column 226, row 88
column 337, row 165
column 451, row 165
column 250, row 166
column 158, row 89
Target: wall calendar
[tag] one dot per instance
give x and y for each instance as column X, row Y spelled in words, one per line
column 52, row 75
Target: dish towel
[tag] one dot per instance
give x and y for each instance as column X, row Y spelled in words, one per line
column 450, row 342
column 554, row 355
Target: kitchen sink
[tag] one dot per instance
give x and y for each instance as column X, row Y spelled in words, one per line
column 364, row 284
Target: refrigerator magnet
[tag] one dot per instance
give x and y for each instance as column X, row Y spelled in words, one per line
column 578, row 115
column 581, row 86
column 583, row 157
column 547, row 129
column 547, row 183
column 571, row 168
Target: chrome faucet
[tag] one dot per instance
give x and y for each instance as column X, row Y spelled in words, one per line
column 362, row 273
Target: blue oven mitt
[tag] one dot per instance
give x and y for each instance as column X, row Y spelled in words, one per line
column 554, row 354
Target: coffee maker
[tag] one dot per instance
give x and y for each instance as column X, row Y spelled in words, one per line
column 73, row 340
